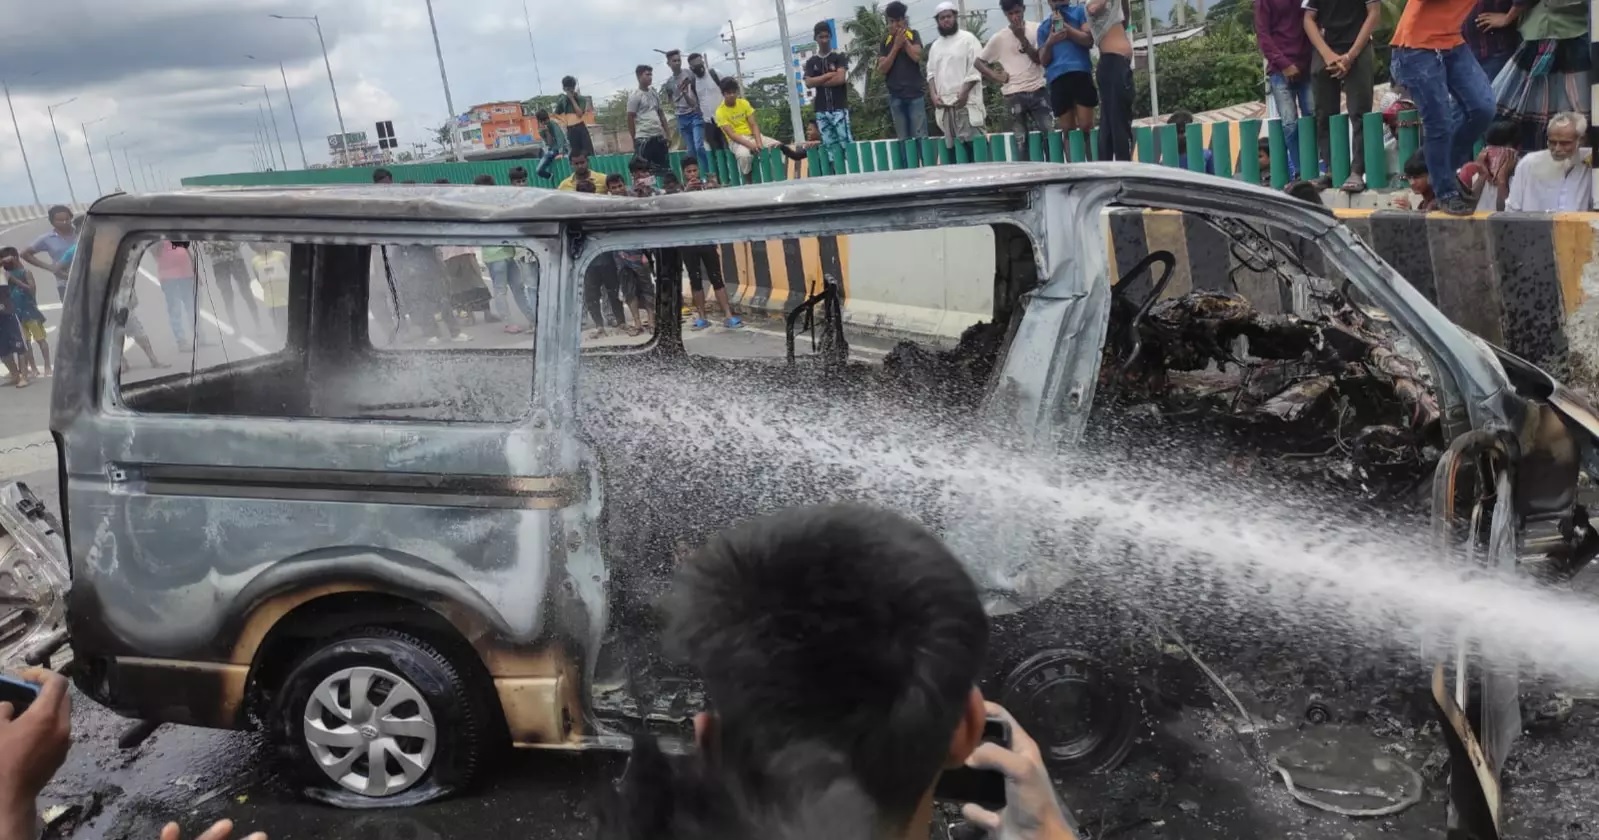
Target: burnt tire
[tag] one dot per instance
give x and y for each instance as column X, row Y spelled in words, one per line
column 379, row 718
column 1083, row 718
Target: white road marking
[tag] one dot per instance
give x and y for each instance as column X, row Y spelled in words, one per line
column 853, row 349
column 44, row 306
column 210, row 319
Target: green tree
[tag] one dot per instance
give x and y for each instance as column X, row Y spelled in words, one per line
column 444, row 135
column 532, row 106
column 869, row 117
column 1190, row 16
column 1210, row 71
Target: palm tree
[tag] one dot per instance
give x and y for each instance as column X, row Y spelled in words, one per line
column 866, row 31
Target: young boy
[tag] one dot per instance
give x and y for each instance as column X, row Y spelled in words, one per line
column 633, row 269
column 26, row 304
column 1420, row 184
column 12, row 345
column 736, row 118
column 643, row 172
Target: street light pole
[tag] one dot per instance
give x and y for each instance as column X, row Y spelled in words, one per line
column 51, row 110
column 133, row 181
column 111, row 153
column 274, row 113
column 455, row 130
column 788, row 58
column 344, row 140
column 20, row 147
column 262, row 112
column 537, row 76
column 89, row 150
column 293, row 117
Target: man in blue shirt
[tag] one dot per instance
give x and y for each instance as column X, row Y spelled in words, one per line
column 1063, row 44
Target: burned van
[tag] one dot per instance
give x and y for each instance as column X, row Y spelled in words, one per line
column 304, row 491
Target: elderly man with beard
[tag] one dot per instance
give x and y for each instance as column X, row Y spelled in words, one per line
column 1558, row 178
column 953, row 80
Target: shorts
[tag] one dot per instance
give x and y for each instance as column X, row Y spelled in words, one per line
column 1073, row 90
column 33, row 330
column 11, row 342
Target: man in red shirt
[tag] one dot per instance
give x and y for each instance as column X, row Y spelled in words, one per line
column 1453, row 96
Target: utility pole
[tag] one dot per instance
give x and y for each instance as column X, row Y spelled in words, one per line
column 294, row 118
column 51, row 110
column 274, row 113
column 344, row 138
column 21, row 148
column 84, row 127
column 111, row 153
column 788, row 58
column 738, row 58
column 133, row 182
column 1149, row 58
column 455, row 130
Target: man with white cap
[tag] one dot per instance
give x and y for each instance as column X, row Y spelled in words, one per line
column 952, row 78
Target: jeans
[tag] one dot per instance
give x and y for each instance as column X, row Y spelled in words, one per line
column 179, row 292
column 1115, row 107
column 1293, row 101
column 692, row 127
column 546, row 162
column 507, row 277
column 909, row 115
column 1493, row 64
column 1029, row 112
column 1455, row 100
column 1356, row 87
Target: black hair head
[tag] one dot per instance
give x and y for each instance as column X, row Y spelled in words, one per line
column 692, row 56
column 484, row 180
column 568, row 82
column 517, row 173
column 1304, row 191
column 441, row 180
column 1416, row 166
column 894, row 10
column 689, row 162
column 8, row 251
column 638, row 164
column 729, row 85
column 1180, row 118
column 642, row 69
column 1009, row 5
column 577, row 153
column 613, row 178
column 541, row 114
column 58, row 208
column 821, row 28
column 848, row 627
column 382, row 176
column 672, row 52
column 1502, row 133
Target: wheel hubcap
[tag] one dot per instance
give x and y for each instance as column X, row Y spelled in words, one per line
column 370, row 731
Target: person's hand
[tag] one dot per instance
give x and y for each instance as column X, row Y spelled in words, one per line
column 1493, row 20
column 1032, row 811
column 1004, row 77
column 219, row 830
column 960, row 101
column 1402, row 202
column 1291, row 73
column 937, row 102
column 34, row 745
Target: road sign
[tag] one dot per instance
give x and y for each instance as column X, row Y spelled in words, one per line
column 386, row 139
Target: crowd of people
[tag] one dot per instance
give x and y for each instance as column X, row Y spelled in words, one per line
column 1458, row 63
column 825, row 715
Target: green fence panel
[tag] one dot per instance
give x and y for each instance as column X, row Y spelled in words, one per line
column 1093, row 143
column 868, row 157
column 1338, row 148
column 1194, row 147
column 1310, row 162
column 896, row 155
column 959, row 152
column 1057, row 148
column 1168, row 144
column 1409, row 137
column 980, row 150
column 1076, row 146
column 1144, row 139
column 840, row 160
column 1376, row 155
column 999, row 147
column 1279, row 154
column 1035, row 146
column 929, row 152
column 1221, row 149
column 884, row 156
column 852, row 154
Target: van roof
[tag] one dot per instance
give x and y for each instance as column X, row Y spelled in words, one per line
column 1141, row 183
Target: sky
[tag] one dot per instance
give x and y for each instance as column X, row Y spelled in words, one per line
column 165, row 80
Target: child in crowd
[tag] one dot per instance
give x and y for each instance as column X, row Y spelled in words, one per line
column 643, row 173
column 270, row 265
column 1263, row 157
column 1498, row 163
column 1304, row 191
column 26, row 304
column 12, row 345
column 1420, row 184
column 633, row 271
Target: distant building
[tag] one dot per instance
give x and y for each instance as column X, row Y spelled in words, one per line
column 496, row 125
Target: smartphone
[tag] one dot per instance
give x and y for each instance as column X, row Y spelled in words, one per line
column 19, row 693
column 979, row 787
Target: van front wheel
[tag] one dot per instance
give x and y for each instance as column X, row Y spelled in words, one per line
column 379, row 718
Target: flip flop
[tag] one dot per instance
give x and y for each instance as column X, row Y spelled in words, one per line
column 699, row 324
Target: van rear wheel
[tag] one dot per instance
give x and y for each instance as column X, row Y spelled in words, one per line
column 380, row 718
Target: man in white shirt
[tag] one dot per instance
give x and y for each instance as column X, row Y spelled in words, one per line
column 646, row 122
column 1559, row 178
column 708, row 92
column 1011, row 61
column 952, row 78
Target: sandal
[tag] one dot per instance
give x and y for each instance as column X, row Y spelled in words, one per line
column 699, row 324
column 22, row 382
column 635, row 331
column 1355, row 184
column 734, row 322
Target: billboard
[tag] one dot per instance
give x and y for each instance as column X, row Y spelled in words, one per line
column 353, row 138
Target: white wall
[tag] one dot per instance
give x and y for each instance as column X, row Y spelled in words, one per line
column 930, row 282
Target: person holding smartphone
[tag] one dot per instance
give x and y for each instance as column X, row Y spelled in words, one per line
column 840, row 648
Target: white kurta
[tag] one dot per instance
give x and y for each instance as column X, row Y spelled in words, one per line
column 1531, row 192
column 951, row 63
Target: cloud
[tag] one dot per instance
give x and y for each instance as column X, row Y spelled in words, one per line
column 166, row 76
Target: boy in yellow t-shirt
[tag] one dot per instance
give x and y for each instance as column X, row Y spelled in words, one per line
column 736, row 118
